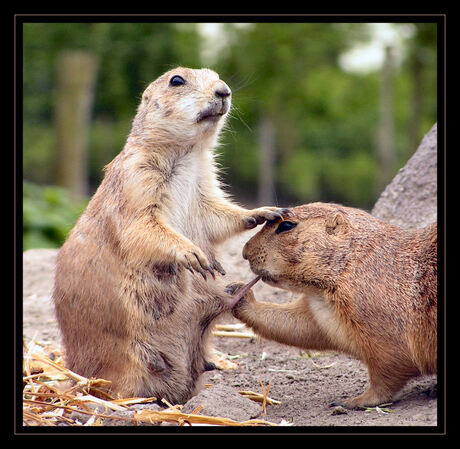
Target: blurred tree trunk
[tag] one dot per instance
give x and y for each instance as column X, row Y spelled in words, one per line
column 76, row 76
column 386, row 127
column 266, row 141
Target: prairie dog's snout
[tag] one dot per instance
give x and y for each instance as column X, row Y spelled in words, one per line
column 218, row 105
column 221, row 90
column 245, row 251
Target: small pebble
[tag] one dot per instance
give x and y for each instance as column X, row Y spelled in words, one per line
column 339, row 410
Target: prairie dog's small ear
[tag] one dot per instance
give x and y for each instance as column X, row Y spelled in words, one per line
column 336, row 223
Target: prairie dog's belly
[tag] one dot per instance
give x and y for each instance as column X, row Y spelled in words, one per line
column 326, row 319
column 183, row 211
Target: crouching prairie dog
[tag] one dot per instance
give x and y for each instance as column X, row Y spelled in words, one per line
column 367, row 288
column 137, row 283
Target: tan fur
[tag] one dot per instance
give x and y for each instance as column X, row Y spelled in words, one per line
column 367, row 288
column 130, row 295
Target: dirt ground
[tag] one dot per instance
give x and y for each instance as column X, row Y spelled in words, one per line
column 306, row 386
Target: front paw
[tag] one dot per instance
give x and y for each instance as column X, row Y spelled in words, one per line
column 195, row 260
column 218, row 267
column 233, row 298
column 233, row 287
column 239, row 293
column 262, row 214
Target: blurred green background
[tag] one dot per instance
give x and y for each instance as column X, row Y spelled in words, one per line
column 321, row 111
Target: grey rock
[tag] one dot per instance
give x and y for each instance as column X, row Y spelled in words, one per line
column 410, row 200
column 223, row 401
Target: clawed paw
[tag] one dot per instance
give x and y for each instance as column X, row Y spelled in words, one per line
column 263, row 214
column 195, row 260
column 233, row 287
column 218, row 267
column 238, row 291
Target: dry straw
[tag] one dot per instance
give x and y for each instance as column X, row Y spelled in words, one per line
column 53, row 394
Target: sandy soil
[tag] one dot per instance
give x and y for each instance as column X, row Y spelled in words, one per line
column 306, row 386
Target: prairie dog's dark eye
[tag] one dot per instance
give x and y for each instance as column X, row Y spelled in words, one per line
column 285, row 226
column 176, row 80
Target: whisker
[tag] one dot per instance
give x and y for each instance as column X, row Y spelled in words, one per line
column 239, row 116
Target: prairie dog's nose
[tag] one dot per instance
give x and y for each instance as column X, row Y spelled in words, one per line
column 222, row 90
column 245, row 251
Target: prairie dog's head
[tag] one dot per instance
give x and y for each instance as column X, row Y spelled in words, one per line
column 309, row 247
column 183, row 106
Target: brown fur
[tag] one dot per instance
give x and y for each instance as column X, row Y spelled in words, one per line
column 368, row 288
column 131, row 293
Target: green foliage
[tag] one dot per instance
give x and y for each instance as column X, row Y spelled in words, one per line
column 48, row 215
column 106, row 139
column 300, row 175
column 350, row 180
column 325, row 120
column 319, row 112
column 307, row 176
column 38, row 140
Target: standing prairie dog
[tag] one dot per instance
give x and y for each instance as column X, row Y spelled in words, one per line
column 135, row 288
column 367, row 288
